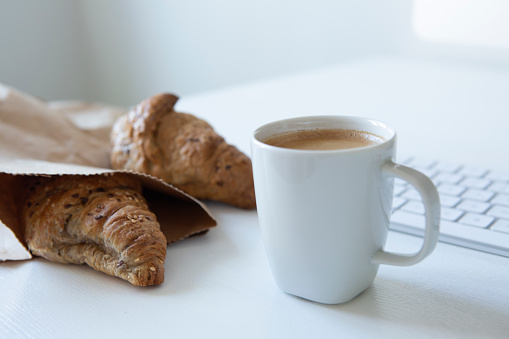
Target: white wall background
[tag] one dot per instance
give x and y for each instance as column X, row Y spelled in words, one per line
column 40, row 47
column 121, row 51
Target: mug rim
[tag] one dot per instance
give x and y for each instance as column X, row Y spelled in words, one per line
column 317, row 118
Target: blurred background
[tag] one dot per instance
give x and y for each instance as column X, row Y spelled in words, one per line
column 122, row 51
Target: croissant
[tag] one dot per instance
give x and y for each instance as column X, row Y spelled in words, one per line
column 182, row 150
column 101, row 221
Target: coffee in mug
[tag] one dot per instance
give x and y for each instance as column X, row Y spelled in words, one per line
column 323, row 139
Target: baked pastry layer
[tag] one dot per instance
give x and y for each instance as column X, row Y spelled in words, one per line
column 182, row 150
column 100, row 220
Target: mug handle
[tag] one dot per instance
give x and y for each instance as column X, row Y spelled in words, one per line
column 431, row 202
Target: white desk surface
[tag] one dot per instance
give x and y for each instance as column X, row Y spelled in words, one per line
column 220, row 286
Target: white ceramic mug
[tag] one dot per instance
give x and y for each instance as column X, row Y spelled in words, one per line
column 324, row 215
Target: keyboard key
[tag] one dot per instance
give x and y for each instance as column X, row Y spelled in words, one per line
column 447, row 178
column 412, row 194
column 450, row 189
column 474, row 172
column 502, row 176
column 455, row 233
column 405, row 218
column 501, row 226
column 499, row 212
column 399, row 182
column 447, row 167
column 499, row 187
column 400, row 189
column 476, row 183
column 476, row 220
column 501, row 199
column 397, row 202
column 449, row 201
column 479, row 195
column 414, row 207
column 473, row 206
column 450, row 214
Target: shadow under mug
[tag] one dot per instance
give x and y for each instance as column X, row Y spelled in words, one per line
column 324, row 214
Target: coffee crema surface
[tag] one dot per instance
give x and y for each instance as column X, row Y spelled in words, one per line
column 323, row 139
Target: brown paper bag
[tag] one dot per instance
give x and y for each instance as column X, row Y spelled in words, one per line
column 70, row 138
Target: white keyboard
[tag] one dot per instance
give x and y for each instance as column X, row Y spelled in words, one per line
column 474, row 206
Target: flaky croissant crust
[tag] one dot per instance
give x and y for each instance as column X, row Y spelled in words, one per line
column 101, row 221
column 182, row 150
